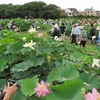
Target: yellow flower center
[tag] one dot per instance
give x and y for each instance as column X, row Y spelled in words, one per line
column 42, row 87
column 98, row 98
column 29, row 44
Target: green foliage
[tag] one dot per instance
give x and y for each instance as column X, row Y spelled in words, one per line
column 67, row 91
column 65, row 72
column 29, row 10
column 3, row 64
column 28, row 86
column 60, row 64
column 87, row 78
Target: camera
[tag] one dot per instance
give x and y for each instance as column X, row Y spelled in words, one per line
column 11, row 82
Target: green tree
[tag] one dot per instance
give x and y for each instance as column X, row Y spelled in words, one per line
column 31, row 9
column 52, row 11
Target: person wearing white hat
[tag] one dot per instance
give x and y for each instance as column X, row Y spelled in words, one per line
column 74, row 34
column 83, row 36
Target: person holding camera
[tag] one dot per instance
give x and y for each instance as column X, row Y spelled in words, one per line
column 8, row 91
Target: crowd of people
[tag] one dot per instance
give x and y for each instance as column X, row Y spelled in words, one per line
column 78, row 34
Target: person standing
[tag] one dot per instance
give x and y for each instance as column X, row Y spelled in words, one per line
column 93, row 34
column 73, row 34
column 10, row 25
column 77, row 31
column 83, row 37
column 62, row 31
column 54, row 30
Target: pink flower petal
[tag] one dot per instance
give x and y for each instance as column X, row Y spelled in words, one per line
column 92, row 96
column 89, row 96
column 36, row 89
column 39, row 93
column 42, row 82
column 95, row 93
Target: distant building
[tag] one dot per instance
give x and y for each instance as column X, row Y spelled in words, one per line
column 74, row 10
column 71, row 11
column 90, row 12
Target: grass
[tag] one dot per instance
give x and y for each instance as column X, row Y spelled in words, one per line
column 90, row 48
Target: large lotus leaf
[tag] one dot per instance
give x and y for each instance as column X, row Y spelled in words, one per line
column 34, row 97
column 2, row 83
column 17, row 46
column 96, row 54
column 38, row 60
column 68, row 63
column 77, row 56
column 30, row 62
column 10, row 58
column 59, row 44
column 28, row 85
column 43, row 50
column 26, row 65
column 21, row 75
column 63, row 73
column 86, row 59
column 70, row 90
column 90, row 81
column 20, row 67
column 18, row 95
column 7, row 41
column 79, row 96
column 3, row 64
column 58, row 63
column 26, row 50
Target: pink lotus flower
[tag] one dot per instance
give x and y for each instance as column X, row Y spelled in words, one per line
column 40, row 35
column 95, row 62
column 92, row 96
column 42, row 89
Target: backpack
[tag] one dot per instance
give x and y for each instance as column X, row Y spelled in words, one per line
column 56, row 32
column 55, row 29
column 92, row 32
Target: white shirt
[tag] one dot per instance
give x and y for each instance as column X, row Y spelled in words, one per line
column 78, row 30
column 73, row 31
column 56, row 26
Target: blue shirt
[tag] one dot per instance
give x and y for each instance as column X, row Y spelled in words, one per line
column 99, row 37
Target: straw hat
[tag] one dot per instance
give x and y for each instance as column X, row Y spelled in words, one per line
column 76, row 24
column 98, row 28
column 81, row 27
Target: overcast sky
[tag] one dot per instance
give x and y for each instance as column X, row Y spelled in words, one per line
column 78, row 4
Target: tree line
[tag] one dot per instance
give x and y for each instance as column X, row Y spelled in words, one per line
column 29, row 10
